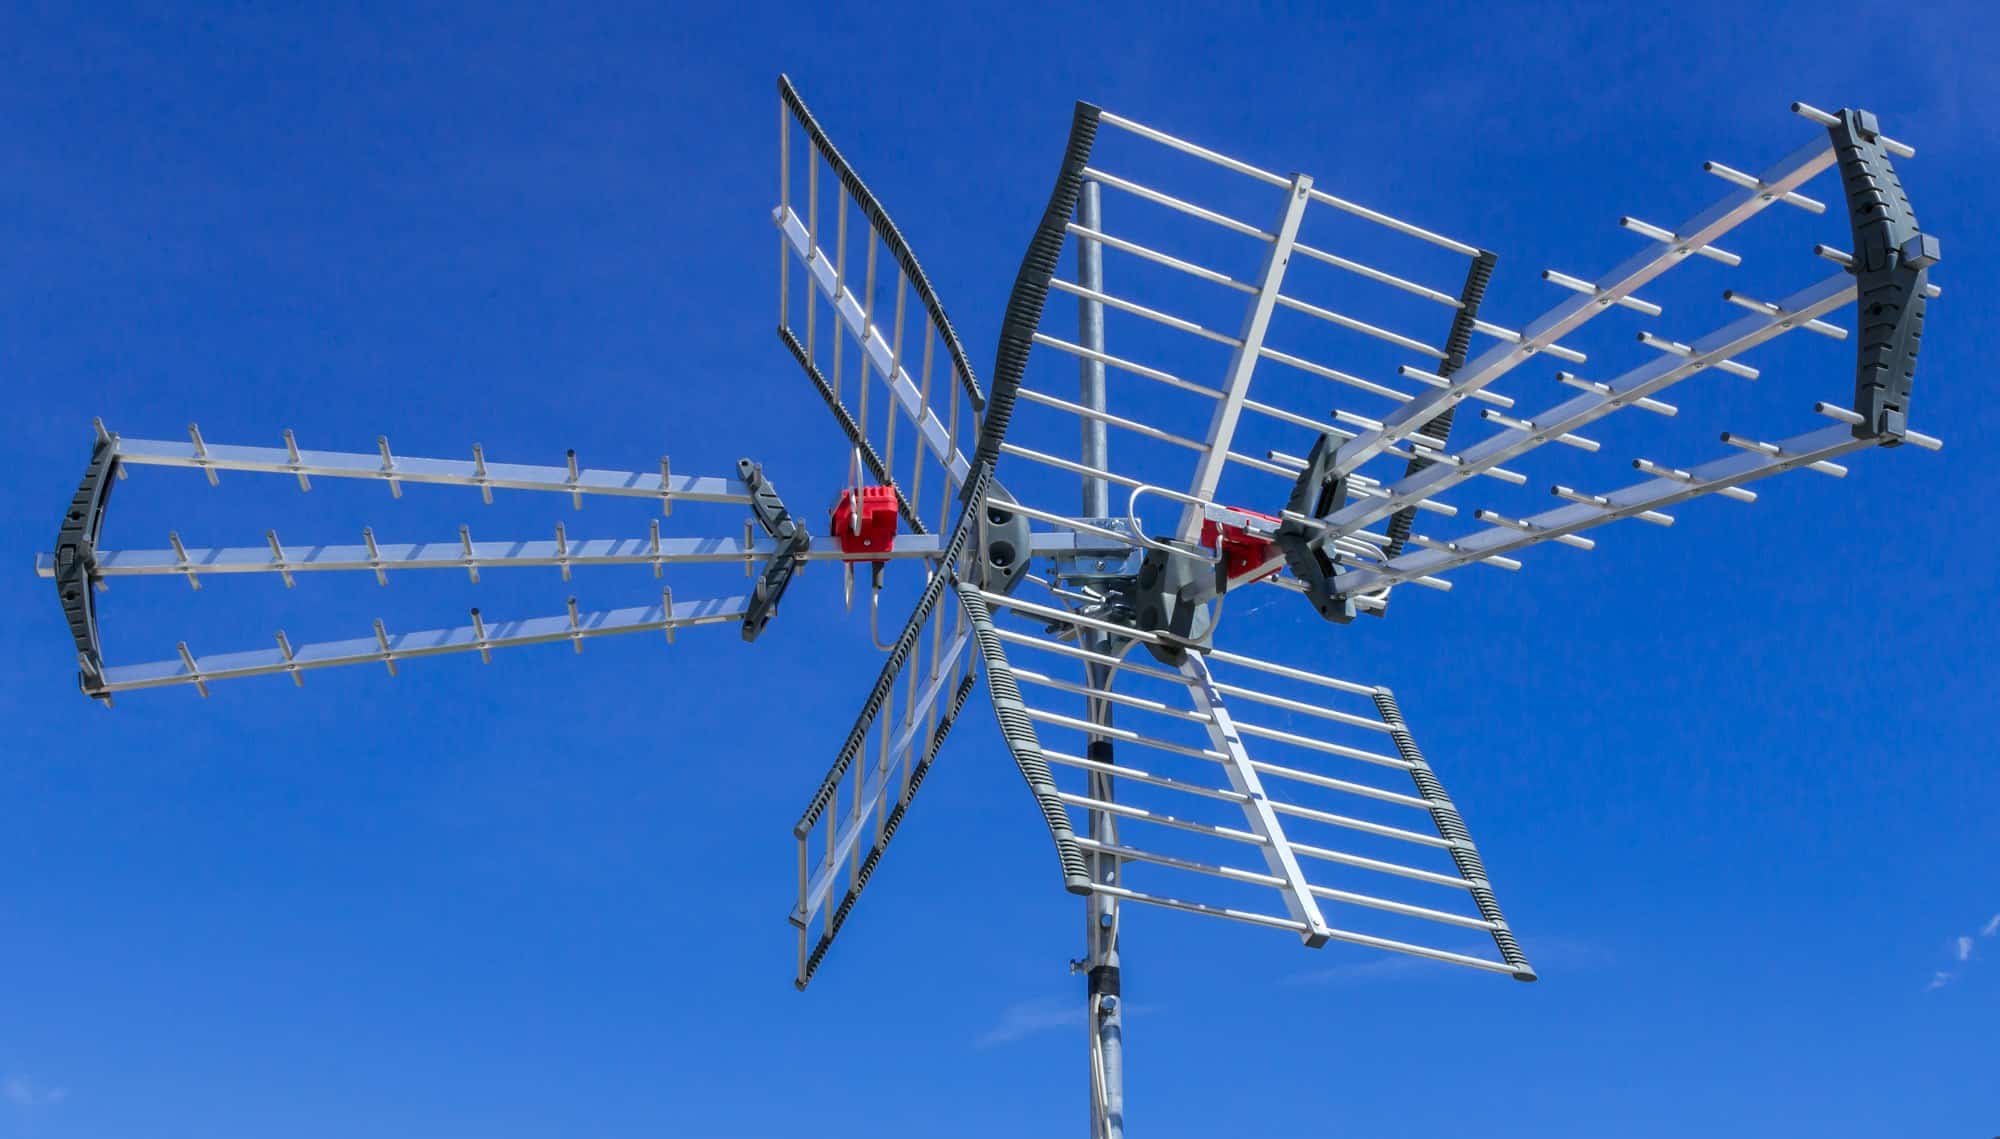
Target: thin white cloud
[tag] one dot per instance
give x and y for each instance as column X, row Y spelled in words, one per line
column 24, row 1092
column 1023, row 1019
column 1961, row 951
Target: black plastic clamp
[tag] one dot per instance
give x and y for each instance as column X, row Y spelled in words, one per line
column 793, row 541
column 1315, row 494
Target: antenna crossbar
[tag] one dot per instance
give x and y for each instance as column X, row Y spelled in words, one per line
column 389, row 648
column 396, row 469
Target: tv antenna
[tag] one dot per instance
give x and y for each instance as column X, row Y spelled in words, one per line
column 1284, row 408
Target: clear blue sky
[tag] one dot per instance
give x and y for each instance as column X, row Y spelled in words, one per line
column 1734, row 780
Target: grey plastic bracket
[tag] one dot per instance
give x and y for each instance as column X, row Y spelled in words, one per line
column 1172, row 596
column 1892, row 260
column 1004, row 542
column 76, row 565
column 793, row 540
column 1315, row 494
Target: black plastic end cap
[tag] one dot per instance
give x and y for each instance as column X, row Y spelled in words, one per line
column 1921, row 251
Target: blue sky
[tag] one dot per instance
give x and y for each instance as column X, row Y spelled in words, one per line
column 1734, row 780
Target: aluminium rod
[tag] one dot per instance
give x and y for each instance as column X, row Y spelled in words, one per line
column 212, row 457
column 1168, row 320
column 1168, row 200
column 1123, row 735
column 1320, row 746
column 1157, row 707
column 1137, row 775
column 1242, row 365
column 1815, row 448
column 1292, row 673
column 1341, row 935
column 1089, row 236
column 387, row 648
column 1639, row 269
column 1648, row 378
column 876, row 351
column 1145, row 815
column 1258, row 878
column 1108, row 418
column 1124, row 365
column 872, row 787
column 1377, row 865
column 1374, row 274
column 892, row 237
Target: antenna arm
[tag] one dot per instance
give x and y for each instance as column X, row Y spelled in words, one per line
column 1891, row 266
column 76, row 564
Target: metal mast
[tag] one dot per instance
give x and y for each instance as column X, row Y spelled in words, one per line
column 1104, row 1018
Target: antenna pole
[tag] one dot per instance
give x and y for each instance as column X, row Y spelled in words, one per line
column 1104, row 1016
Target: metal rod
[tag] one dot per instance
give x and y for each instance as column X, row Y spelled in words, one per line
column 1374, row 274
column 1789, row 197
column 1139, row 310
column 1124, row 365
column 1334, row 934
column 1361, row 326
column 1088, row 415
column 1635, row 272
column 1092, row 174
column 450, row 472
column 877, row 352
column 1808, row 111
column 473, row 556
column 1601, row 400
column 1090, row 337
column 1578, row 285
column 1090, row 236
column 388, row 649
column 1103, row 1011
